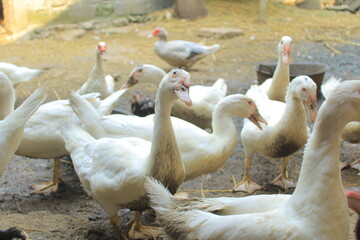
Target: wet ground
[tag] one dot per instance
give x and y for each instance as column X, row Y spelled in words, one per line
column 319, row 36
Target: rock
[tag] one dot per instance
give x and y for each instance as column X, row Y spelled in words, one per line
column 220, row 33
column 120, row 22
column 138, row 18
column 190, row 9
column 40, row 33
column 89, row 25
column 115, row 30
column 45, row 34
column 64, row 26
column 71, row 34
column 309, row 4
column 134, row 18
column 103, row 24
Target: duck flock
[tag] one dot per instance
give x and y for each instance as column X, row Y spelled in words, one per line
column 138, row 161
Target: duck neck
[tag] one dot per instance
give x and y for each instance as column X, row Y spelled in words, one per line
column 222, row 124
column 320, row 188
column 294, row 115
column 98, row 72
column 163, row 37
column 280, row 82
column 160, row 46
column 165, row 159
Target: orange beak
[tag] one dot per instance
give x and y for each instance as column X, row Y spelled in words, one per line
column 311, row 108
column 286, row 54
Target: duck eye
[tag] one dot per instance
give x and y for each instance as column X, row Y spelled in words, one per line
column 249, row 102
column 140, row 70
column 174, row 72
column 183, row 88
column 303, row 89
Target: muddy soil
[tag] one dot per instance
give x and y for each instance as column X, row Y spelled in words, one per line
column 319, row 36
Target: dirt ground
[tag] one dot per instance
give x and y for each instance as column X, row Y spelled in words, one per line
column 319, row 36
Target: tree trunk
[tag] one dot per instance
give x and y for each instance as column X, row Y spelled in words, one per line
column 262, row 11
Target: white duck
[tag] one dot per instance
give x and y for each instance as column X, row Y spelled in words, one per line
column 97, row 81
column 201, row 152
column 286, row 133
column 19, row 74
column 113, row 171
column 12, row 127
column 7, row 96
column 330, row 84
column 42, row 137
column 204, row 98
column 316, row 210
column 180, row 53
column 351, row 132
column 276, row 86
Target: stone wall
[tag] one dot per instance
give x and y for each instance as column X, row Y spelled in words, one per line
column 90, row 9
column 87, row 9
column 19, row 14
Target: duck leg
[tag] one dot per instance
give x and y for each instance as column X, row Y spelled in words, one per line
column 282, row 180
column 53, row 185
column 115, row 221
column 246, row 184
column 139, row 231
column 355, row 164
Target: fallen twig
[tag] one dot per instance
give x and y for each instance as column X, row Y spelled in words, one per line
column 18, row 207
column 31, row 229
column 56, row 94
column 335, row 39
column 331, row 48
column 229, row 175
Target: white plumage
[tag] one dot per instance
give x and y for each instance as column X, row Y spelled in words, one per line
column 316, row 210
column 286, row 131
column 42, row 137
column 204, row 98
column 7, row 96
column 351, row 132
column 97, row 81
column 12, row 127
column 276, row 86
column 180, row 53
column 202, row 152
column 113, row 170
column 18, row 74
